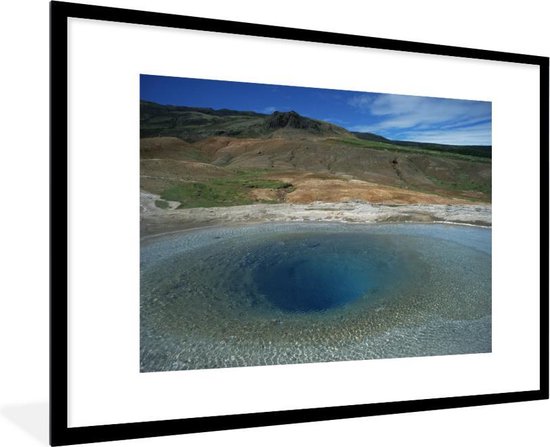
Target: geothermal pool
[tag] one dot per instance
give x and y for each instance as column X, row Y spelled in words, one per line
column 271, row 294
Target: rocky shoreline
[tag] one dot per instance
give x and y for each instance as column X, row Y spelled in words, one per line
column 155, row 220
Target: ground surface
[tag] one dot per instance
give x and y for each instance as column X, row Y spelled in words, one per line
column 156, row 220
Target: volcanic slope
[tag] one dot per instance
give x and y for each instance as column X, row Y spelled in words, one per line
column 200, row 157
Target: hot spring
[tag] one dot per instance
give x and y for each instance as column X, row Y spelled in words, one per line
column 271, row 294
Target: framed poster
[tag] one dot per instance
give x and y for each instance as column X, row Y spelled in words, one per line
column 254, row 225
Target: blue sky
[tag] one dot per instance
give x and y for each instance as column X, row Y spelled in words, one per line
column 398, row 117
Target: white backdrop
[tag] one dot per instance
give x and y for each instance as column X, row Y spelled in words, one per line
column 23, row 316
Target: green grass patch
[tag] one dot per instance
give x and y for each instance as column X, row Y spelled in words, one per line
column 266, row 184
column 163, row 204
column 463, row 183
column 227, row 191
column 380, row 145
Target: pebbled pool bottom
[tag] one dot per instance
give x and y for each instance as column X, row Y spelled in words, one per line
column 272, row 294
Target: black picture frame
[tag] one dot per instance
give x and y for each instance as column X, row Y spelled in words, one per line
column 60, row 433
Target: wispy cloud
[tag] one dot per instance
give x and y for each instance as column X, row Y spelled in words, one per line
column 361, row 101
column 426, row 119
column 473, row 135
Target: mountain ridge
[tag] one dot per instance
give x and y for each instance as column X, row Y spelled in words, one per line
column 195, row 123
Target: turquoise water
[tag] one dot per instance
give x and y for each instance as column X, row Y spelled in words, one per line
column 292, row 293
column 312, row 273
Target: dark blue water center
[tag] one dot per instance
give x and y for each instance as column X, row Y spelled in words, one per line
column 312, row 273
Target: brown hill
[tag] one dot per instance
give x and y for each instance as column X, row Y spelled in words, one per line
column 321, row 169
column 232, row 158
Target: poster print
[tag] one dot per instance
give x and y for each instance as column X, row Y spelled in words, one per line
column 294, row 225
